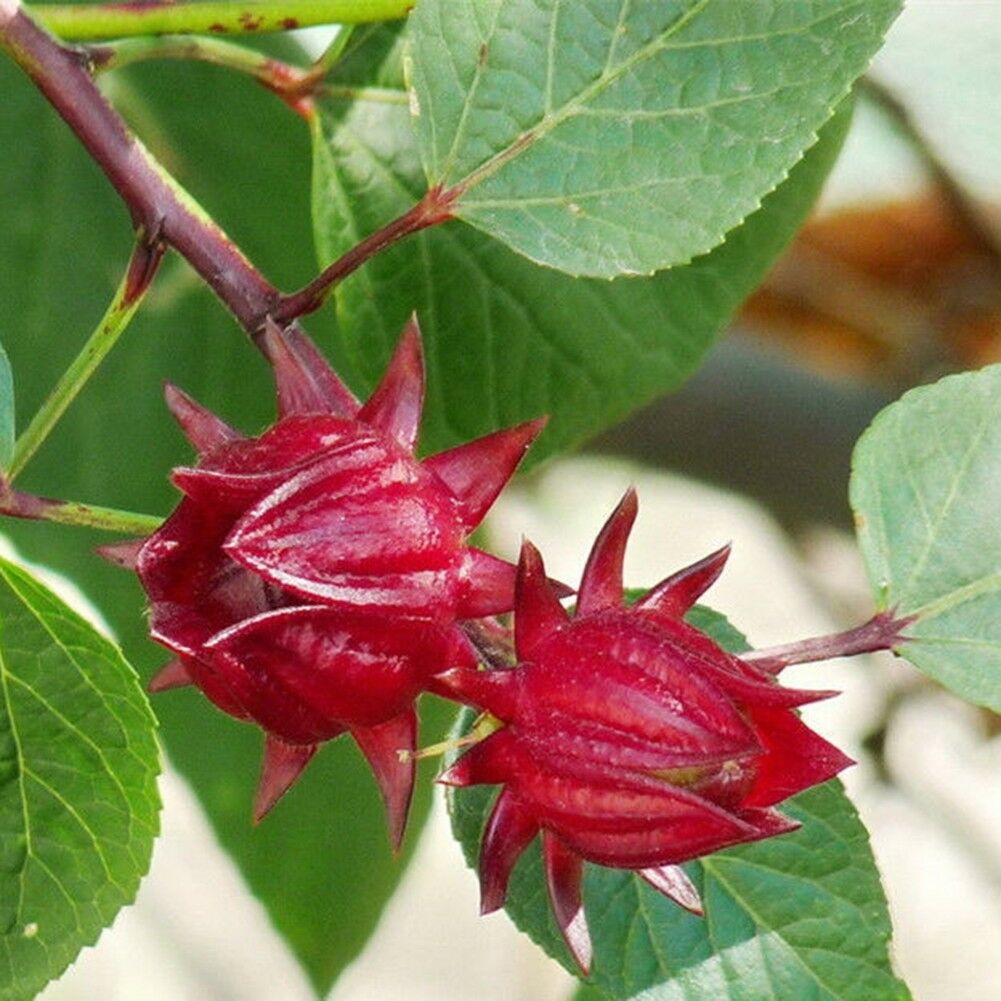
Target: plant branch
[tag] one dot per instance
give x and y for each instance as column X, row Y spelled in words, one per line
column 86, row 22
column 963, row 204
column 139, row 274
column 884, row 631
column 159, row 207
column 292, row 84
column 16, row 504
column 435, row 207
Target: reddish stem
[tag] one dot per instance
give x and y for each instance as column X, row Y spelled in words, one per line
column 17, row 504
column 157, row 205
column 435, row 207
column 153, row 202
column 883, row 631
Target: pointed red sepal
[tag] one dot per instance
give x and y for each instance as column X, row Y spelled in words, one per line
column 508, row 833
column 304, row 380
column 495, row 692
column 283, row 764
column 122, row 554
column 673, row 882
column 769, row 823
column 492, row 760
column 201, row 427
column 476, row 473
column 601, row 585
column 172, row 675
column 489, row 585
column 795, row 757
column 672, row 597
column 395, row 406
column 564, row 873
column 537, row 609
column 381, row 746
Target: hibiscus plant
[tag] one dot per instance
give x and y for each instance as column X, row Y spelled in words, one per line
column 530, row 217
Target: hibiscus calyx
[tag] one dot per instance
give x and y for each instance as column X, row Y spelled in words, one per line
column 312, row 579
column 630, row 739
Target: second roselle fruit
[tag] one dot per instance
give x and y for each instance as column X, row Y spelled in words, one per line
column 629, row 738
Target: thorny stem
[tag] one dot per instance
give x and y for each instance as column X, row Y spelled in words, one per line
column 138, row 276
column 884, row 631
column 21, row 505
column 85, row 22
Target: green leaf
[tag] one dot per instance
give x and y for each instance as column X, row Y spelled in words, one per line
column 507, row 341
column 798, row 916
column 7, row 425
column 926, row 488
column 607, row 137
column 78, row 798
column 321, row 861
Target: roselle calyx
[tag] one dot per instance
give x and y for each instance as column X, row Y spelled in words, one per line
column 312, row 578
column 630, row 738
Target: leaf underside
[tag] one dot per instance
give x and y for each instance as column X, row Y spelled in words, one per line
column 78, row 798
column 926, row 491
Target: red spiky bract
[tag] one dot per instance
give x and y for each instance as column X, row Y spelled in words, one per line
column 312, row 578
column 630, row 739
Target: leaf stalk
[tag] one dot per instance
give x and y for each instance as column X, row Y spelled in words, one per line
column 434, row 208
column 884, row 631
column 16, row 504
column 139, row 274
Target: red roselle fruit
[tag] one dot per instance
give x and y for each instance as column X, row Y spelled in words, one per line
column 630, row 738
column 312, row 578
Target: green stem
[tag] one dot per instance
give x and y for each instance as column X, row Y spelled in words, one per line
column 292, row 83
column 329, row 57
column 22, row 505
column 85, row 22
column 142, row 266
column 115, row 55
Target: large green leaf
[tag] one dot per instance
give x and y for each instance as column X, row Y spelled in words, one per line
column 507, row 340
column 320, row 862
column 6, row 411
column 78, row 799
column 608, row 137
column 800, row 916
column 926, row 491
